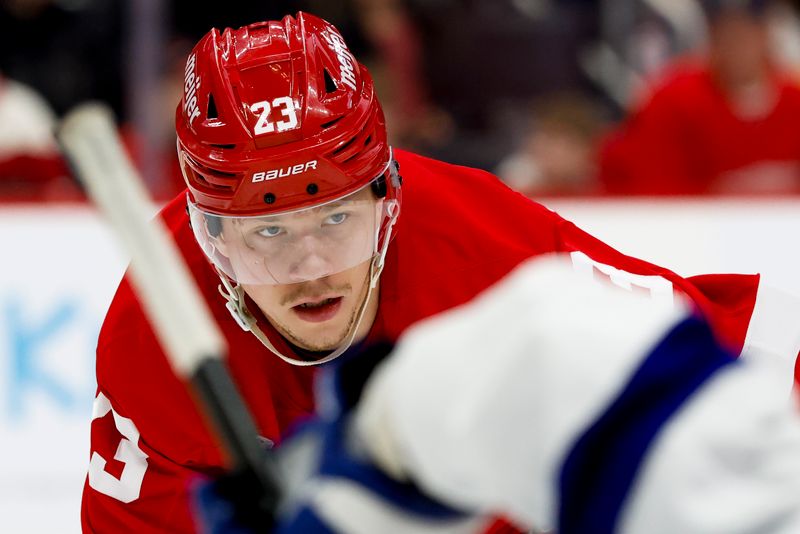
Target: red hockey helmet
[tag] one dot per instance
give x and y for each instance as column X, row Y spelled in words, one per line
column 278, row 119
column 278, row 116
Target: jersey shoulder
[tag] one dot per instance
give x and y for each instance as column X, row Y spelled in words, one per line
column 460, row 230
column 454, row 195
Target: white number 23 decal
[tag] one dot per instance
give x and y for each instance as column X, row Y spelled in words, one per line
column 264, row 108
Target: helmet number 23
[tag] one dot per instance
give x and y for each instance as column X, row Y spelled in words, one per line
column 264, row 108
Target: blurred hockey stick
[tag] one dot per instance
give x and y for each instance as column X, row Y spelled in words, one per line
column 190, row 336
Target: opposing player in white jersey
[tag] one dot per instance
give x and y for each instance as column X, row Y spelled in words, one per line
column 561, row 403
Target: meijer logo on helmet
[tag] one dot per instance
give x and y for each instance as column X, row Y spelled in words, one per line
column 346, row 62
column 300, row 168
column 191, row 83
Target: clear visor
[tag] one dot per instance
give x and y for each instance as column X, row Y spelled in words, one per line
column 293, row 247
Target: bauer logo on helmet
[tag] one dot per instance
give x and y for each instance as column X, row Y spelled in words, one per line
column 272, row 174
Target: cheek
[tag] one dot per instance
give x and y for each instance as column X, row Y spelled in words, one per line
column 266, row 297
column 360, row 285
column 356, row 277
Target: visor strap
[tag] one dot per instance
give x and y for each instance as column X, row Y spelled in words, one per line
column 234, row 301
column 376, row 268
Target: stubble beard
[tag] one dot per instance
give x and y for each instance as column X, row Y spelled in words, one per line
column 316, row 346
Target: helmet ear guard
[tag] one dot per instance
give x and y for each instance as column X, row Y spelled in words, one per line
column 380, row 187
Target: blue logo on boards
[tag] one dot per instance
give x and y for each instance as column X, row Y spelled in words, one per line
column 28, row 338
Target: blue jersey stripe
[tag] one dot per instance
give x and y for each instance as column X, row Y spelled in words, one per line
column 599, row 470
column 305, row 522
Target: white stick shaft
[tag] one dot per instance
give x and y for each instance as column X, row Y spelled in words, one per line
column 172, row 301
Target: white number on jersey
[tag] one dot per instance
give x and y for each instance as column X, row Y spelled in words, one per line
column 264, row 108
column 660, row 289
column 126, row 488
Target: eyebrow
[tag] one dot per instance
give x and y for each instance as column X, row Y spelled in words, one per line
column 333, row 205
column 277, row 219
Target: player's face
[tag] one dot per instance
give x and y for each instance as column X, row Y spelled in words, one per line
column 308, row 270
column 294, row 247
column 317, row 315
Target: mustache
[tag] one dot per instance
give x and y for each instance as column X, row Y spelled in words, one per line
column 314, row 291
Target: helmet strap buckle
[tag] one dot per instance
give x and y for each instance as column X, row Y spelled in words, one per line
column 234, row 301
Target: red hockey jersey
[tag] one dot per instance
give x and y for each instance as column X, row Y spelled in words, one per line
column 686, row 139
column 460, row 230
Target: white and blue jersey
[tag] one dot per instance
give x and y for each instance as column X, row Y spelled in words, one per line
column 566, row 405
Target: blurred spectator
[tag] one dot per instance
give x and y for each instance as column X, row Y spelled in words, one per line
column 56, row 54
column 191, row 19
column 725, row 123
column 30, row 165
column 557, row 154
column 461, row 70
column 67, row 50
column 784, row 21
column 396, row 64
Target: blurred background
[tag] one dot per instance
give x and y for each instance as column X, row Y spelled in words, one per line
column 668, row 128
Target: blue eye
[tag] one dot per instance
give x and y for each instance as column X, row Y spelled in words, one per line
column 336, row 218
column 270, row 231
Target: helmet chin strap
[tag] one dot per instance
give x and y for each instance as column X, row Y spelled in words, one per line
column 235, row 302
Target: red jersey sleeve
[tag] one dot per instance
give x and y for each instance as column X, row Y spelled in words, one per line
column 726, row 300
column 131, row 487
column 149, row 441
column 750, row 317
column 138, row 479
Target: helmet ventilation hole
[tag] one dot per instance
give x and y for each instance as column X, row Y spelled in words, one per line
column 211, row 112
column 330, row 123
column 343, row 147
column 330, row 85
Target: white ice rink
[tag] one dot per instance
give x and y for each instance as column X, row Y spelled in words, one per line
column 60, row 268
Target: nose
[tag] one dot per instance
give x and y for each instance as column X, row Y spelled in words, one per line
column 311, row 261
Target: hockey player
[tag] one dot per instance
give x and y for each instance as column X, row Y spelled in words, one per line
column 581, row 421
column 716, row 123
column 293, row 212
